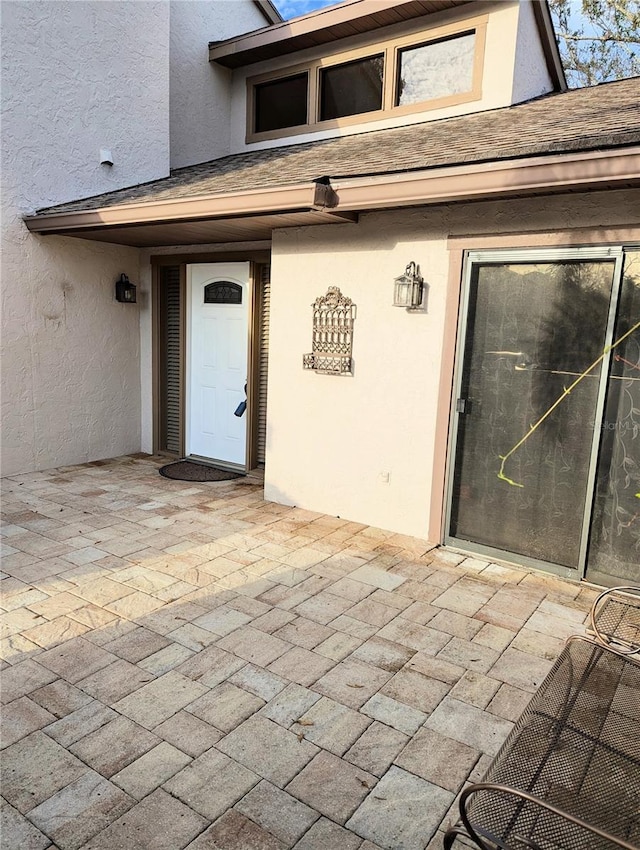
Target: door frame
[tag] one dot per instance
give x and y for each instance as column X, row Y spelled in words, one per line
column 546, row 255
column 257, row 259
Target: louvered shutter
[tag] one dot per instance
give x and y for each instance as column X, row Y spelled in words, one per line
column 263, row 367
column 170, row 357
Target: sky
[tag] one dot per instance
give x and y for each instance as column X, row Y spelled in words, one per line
column 293, row 8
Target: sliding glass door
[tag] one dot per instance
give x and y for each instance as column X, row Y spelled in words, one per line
column 614, row 551
column 539, row 476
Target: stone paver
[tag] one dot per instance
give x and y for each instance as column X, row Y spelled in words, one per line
column 469, row 725
column 22, row 833
column 116, row 681
column 35, row 768
column 332, row 726
column 332, row 786
column 151, row 770
column 20, row 718
column 266, row 748
column 520, row 669
column 81, row 722
column 376, row 577
column 376, row 748
column 326, row 835
column 402, row 812
column 80, row 810
column 259, row 682
column 157, row 701
column 302, row 666
column 384, row 654
column 438, row 759
column 188, row 733
column 277, row 812
column 225, row 706
column 352, row 682
column 290, row 704
column 396, row 714
column 159, row 821
column 234, row 831
column 114, row 745
column 416, row 690
column 255, row 646
column 24, row 678
column 187, row 665
column 212, row 783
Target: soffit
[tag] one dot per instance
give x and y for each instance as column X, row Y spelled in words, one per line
column 322, row 27
column 204, row 232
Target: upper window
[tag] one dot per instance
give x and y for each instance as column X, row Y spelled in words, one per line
column 351, row 88
column 437, row 69
column 410, row 73
column 281, row 103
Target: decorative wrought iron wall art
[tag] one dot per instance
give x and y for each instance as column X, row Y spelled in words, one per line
column 333, row 317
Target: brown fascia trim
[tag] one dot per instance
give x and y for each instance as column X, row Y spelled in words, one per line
column 316, row 196
column 269, row 11
column 542, row 15
column 535, row 175
column 234, row 52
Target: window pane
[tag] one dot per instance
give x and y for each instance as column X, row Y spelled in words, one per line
column 281, row 103
column 351, row 88
column 223, row 292
column 434, row 70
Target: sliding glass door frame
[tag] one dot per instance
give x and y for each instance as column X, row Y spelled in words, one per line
column 537, row 255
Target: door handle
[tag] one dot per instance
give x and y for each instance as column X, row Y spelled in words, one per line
column 241, row 408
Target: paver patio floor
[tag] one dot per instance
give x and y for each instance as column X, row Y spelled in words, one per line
column 188, row 666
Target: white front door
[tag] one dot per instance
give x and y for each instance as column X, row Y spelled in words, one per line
column 217, row 354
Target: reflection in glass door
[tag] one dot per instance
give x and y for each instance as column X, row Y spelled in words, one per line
column 531, row 396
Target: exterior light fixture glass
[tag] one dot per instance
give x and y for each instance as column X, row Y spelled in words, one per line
column 125, row 290
column 408, row 288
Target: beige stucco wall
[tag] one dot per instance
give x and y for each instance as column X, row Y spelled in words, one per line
column 332, row 441
column 510, row 28
column 530, row 73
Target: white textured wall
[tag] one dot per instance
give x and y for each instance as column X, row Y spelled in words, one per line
column 330, row 438
column 76, row 76
column 531, row 77
column 200, row 90
column 500, row 53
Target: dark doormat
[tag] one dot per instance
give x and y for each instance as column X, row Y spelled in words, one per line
column 189, row 470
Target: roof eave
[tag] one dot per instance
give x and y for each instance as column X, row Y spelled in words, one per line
column 269, row 11
column 567, row 172
column 308, row 196
column 542, row 14
column 315, row 28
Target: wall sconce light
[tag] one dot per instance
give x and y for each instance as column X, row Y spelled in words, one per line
column 408, row 288
column 125, row 290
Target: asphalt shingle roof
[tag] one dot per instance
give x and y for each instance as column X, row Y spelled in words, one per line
column 600, row 117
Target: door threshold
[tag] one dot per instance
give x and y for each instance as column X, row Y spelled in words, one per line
column 217, row 464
